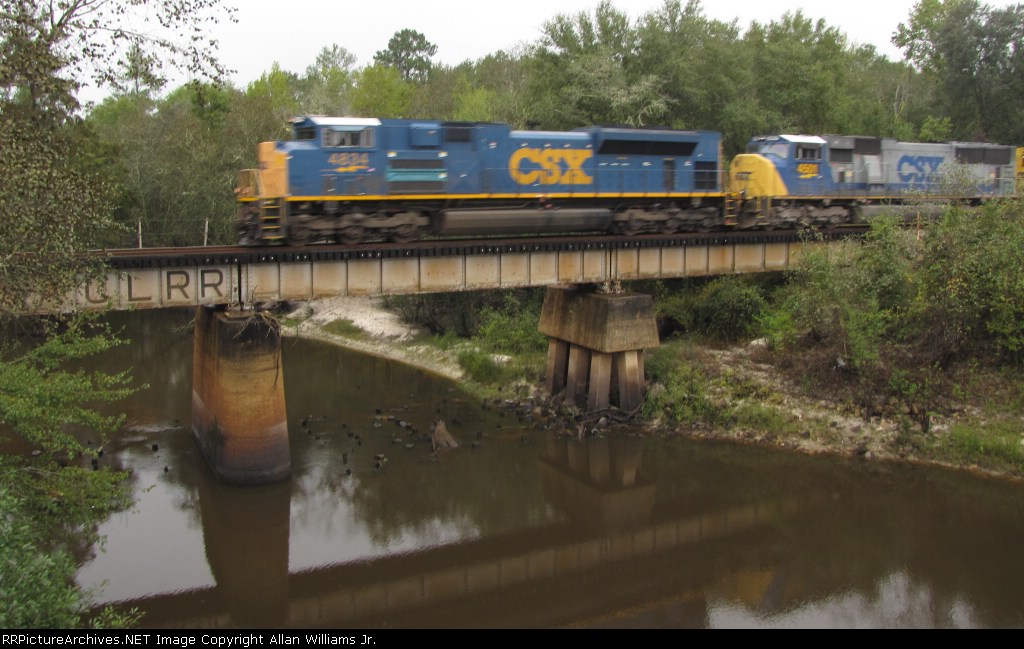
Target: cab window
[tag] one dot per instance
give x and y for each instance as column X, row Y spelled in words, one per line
column 775, row 150
column 805, row 152
column 363, row 138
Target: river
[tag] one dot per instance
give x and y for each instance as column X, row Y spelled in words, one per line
column 522, row 527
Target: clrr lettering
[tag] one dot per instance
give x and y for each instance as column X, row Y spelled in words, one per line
column 550, row 166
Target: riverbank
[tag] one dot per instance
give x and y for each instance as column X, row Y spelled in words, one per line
column 764, row 406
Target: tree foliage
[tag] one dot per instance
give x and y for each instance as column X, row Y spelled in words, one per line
column 975, row 55
column 380, row 91
column 410, row 53
column 53, row 47
column 50, row 209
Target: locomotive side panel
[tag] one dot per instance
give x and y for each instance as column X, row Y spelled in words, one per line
column 334, row 156
column 991, row 168
column 911, row 167
column 544, row 163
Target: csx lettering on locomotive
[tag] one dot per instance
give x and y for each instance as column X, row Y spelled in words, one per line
column 918, row 168
column 549, row 166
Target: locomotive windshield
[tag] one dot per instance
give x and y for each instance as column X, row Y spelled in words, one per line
column 774, row 149
column 345, row 137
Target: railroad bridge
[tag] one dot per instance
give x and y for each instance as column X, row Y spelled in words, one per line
column 596, row 338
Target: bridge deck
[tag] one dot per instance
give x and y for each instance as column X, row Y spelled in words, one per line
column 162, row 278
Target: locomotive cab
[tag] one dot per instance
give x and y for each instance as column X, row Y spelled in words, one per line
column 790, row 180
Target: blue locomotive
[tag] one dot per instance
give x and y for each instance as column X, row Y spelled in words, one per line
column 355, row 179
column 799, row 180
column 350, row 180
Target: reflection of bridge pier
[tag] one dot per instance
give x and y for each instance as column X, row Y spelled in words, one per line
column 246, row 532
column 597, row 482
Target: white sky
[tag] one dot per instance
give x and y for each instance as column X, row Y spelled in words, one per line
column 292, row 33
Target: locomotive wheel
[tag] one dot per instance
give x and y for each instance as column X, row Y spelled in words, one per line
column 630, row 228
column 351, row 234
column 299, row 235
column 671, row 226
column 406, row 233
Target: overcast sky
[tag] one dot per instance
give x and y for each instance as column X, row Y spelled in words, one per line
column 292, row 33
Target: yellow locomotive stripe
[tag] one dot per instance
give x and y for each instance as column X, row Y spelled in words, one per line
column 463, row 197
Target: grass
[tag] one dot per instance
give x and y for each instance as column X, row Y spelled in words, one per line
column 995, row 446
column 343, row 327
column 482, row 367
column 760, row 417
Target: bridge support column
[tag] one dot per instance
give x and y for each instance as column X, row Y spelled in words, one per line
column 238, row 408
column 597, row 341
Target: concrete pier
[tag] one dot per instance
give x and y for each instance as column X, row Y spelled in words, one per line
column 238, row 408
column 597, row 341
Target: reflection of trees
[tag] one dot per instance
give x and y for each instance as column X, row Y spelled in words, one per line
column 479, row 492
column 160, row 357
column 472, row 489
column 949, row 533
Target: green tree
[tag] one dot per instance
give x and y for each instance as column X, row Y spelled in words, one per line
column 139, row 72
column 326, row 88
column 410, row 53
column 703, row 67
column 380, row 91
column 280, row 89
column 801, row 65
column 50, row 207
column 584, row 71
column 972, row 51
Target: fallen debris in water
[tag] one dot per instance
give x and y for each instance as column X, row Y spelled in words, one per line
column 440, row 437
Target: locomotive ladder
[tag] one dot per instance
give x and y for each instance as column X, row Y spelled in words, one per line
column 271, row 226
column 731, row 208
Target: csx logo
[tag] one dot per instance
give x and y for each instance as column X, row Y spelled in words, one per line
column 918, row 168
column 550, row 166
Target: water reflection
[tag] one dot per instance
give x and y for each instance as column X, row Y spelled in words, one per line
column 520, row 528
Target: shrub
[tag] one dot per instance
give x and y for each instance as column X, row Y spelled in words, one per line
column 729, row 308
column 681, row 393
column 512, row 327
column 479, row 366
column 972, row 294
column 725, row 308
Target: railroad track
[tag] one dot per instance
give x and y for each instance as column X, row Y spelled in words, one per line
column 128, row 258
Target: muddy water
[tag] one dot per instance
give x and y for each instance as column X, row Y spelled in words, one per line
column 521, row 528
